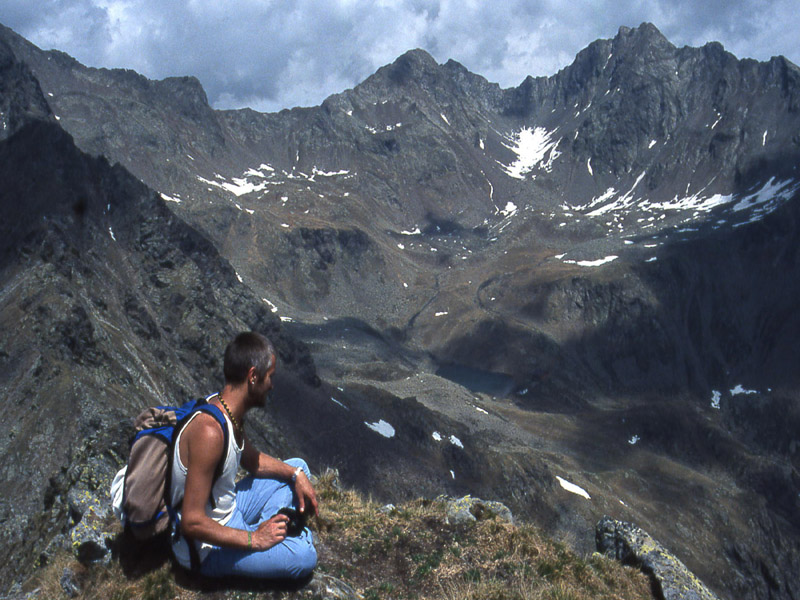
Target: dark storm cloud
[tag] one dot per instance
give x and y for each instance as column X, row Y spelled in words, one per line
column 271, row 54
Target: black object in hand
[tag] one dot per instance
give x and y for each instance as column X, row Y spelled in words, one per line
column 297, row 521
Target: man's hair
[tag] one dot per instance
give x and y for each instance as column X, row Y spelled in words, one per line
column 248, row 349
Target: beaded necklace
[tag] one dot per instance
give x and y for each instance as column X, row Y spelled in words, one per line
column 234, row 420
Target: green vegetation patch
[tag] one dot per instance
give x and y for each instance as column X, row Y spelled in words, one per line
column 408, row 552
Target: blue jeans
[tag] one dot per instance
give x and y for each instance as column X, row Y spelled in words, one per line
column 257, row 500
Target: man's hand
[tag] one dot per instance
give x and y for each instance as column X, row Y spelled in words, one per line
column 306, row 496
column 270, row 533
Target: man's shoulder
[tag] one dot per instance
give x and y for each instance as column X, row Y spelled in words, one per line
column 205, row 428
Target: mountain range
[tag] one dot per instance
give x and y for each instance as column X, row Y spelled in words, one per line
column 587, row 283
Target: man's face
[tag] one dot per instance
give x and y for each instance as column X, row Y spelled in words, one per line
column 261, row 388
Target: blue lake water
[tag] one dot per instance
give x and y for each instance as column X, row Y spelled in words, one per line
column 485, row 382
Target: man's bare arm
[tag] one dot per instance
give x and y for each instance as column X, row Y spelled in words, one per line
column 201, row 448
column 264, row 465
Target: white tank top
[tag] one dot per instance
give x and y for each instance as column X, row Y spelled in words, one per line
column 223, row 491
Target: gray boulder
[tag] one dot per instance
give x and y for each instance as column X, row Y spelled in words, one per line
column 469, row 509
column 325, row 587
column 91, row 536
column 69, row 583
column 632, row 545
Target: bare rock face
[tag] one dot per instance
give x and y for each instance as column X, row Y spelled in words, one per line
column 632, row 545
column 21, row 98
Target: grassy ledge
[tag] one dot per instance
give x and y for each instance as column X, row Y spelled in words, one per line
column 410, row 551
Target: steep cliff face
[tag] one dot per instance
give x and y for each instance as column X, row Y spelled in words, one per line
column 603, row 261
column 20, row 96
column 108, row 304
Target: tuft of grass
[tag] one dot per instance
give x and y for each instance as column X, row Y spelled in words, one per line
column 412, row 552
column 404, row 553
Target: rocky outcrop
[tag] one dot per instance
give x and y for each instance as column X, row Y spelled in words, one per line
column 21, row 98
column 631, row 545
column 469, row 509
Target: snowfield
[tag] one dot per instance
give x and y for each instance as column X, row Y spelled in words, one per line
column 535, row 148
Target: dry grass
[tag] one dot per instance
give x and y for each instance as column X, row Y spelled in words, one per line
column 412, row 552
column 408, row 552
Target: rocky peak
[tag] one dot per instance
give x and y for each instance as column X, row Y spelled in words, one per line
column 187, row 93
column 646, row 35
column 21, row 98
column 415, row 76
column 413, row 66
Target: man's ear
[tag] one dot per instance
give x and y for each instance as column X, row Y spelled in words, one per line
column 252, row 376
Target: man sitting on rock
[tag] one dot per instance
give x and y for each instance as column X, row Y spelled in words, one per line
column 229, row 528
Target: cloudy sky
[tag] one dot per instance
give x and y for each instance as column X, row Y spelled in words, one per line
column 274, row 54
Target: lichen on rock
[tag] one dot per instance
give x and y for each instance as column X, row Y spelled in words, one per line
column 468, row 509
column 632, row 545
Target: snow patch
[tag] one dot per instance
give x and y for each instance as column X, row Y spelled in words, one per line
column 592, row 263
column 444, row 118
column 416, row 231
column 607, row 195
column 456, row 442
column 739, row 389
column 315, row 171
column 381, row 427
column 237, row 186
column 509, row 210
column 589, row 166
column 761, row 201
column 623, row 202
column 339, row 403
column 111, row 233
column 440, row 314
column 767, row 197
column 571, row 487
column 174, row 199
column 633, row 440
column 534, row 148
column 652, row 143
column 715, row 398
column 272, row 307
column 437, row 436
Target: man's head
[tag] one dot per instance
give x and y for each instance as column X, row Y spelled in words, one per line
column 248, row 350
